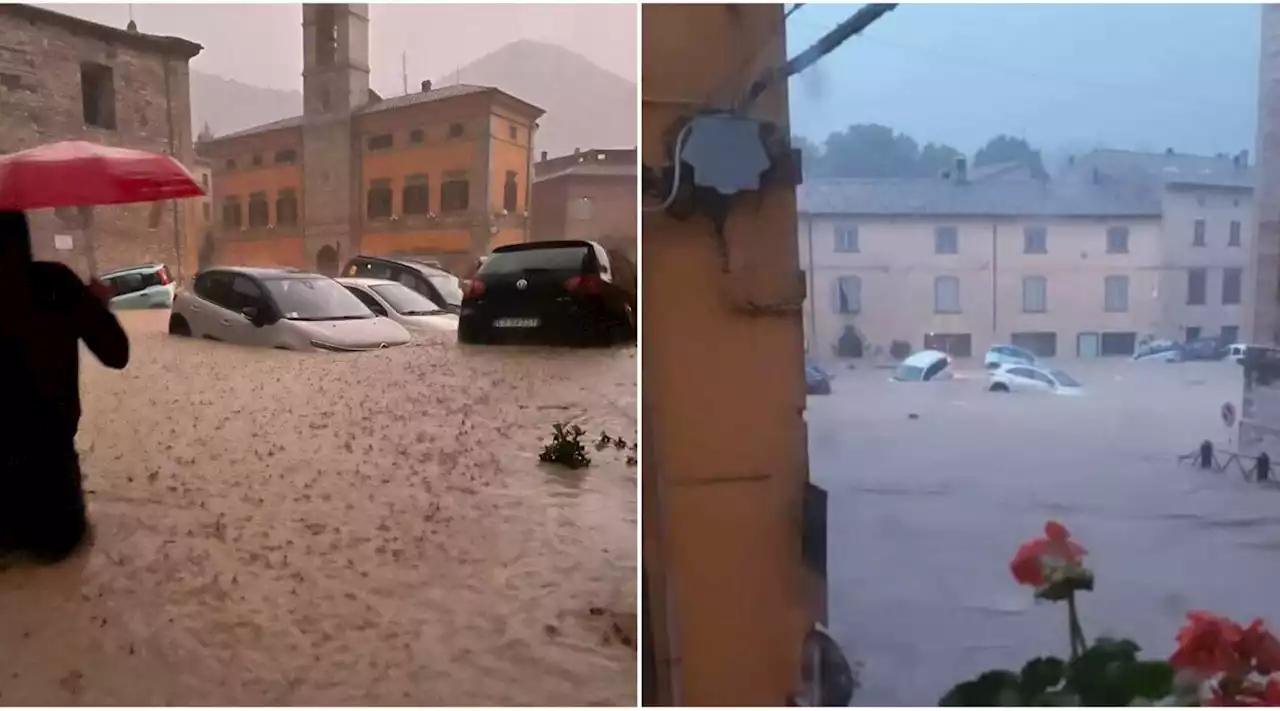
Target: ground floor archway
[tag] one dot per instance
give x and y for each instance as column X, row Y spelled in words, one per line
column 327, row 261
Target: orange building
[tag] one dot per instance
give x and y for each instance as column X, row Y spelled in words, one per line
column 589, row 194
column 442, row 173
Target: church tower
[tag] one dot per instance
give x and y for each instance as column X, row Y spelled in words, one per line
column 335, row 84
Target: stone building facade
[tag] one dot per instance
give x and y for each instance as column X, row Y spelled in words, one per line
column 439, row 173
column 63, row 78
column 588, row 194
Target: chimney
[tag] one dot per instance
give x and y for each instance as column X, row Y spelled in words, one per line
column 132, row 27
column 1244, row 159
column 576, row 150
column 1096, row 177
column 426, row 86
column 962, row 171
column 544, row 156
column 1168, row 151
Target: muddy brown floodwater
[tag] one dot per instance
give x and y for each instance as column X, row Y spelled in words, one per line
column 277, row 528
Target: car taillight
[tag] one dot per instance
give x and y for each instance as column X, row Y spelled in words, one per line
column 472, row 288
column 585, row 284
column 164, row 278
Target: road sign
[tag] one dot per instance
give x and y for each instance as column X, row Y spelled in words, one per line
column 1228, row 414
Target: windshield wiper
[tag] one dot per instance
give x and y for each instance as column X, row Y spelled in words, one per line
column 431, row 312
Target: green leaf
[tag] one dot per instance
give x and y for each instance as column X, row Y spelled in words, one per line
column 1062, row 697
column 1150, row 679
column 1040, row 675
column 992, row 688
column 1100, row 673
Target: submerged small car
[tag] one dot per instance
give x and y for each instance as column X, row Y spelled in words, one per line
column 816, row 380
column 401, row 304
column 148, row 286
column 280, row 308
column 923, row 366
column 998, row 355
column 1018, row 377
column 424, row 276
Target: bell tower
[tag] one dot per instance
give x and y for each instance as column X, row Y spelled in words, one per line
column 335, row 84
column 335, row 68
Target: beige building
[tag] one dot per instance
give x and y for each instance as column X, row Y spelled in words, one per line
column 1090, row 263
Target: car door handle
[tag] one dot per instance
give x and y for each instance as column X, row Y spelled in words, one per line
column 226, row 322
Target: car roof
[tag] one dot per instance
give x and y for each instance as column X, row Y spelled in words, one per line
column 365, row 281
column 922, row 359
column 547, row 244
column 418, row 264
column 266, row 272
column 130, row 270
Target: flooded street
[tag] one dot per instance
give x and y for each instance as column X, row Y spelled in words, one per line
column 926, row 513
column 275, row 528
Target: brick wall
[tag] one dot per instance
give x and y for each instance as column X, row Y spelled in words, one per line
column 41, row 102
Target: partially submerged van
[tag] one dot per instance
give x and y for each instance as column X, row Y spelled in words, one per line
column 923, row 366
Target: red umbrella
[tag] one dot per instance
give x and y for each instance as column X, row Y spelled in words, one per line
column 73, row 173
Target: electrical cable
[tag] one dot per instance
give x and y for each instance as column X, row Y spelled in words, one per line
column 857, row 22
column 675, row 178
column 793, row 9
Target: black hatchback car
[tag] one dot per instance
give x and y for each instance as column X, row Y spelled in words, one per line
column 426, row 278
column 571, row 292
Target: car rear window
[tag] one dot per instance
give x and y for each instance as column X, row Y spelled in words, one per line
column 567, row 259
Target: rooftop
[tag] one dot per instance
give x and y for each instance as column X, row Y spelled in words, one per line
column 380, row 104
column 1170, row 168
column 902, row 197
column 159, row 44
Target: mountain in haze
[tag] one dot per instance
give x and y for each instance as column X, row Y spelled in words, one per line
column 587, row 107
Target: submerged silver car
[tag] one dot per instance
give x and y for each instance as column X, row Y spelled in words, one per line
column 280, row 308
column 402, row 305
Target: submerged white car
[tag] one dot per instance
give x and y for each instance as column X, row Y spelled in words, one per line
column 1000, row 354
column 1020, row 377
column 923, row 366
column 280, row 308
column 401, row 304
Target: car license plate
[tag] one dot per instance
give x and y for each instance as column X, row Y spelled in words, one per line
column 516, row 323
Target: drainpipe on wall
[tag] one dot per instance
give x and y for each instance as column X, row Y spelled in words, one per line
column 813, row 307
column 528, row 189
column 995, row 263
column 168, row 110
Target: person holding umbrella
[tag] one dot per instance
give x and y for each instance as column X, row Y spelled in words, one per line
column 47, row 312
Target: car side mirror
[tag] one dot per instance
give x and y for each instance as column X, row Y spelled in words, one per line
column 252, row 313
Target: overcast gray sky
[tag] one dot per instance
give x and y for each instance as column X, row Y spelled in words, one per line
column 1144, row 77
column 262, row 44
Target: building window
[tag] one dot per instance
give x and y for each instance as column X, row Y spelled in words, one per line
column 946, row 240
column 847, row 238
column 1233, row 239
column 510, row 192
column 1230, row 334
column 1232, row 279
column 287, row 156
column 1193, row 333
column 286, row 208
column 946, row 295
column 1035, row 294
column 231, row 164
column 512, row 133
column 231, row 212
column 1043, row 344
column 1118, row 240
column 326, row 35
column 381, row 142
column 1116, row 294
column 208, row 212
column 257, row 159
column 204, row 181
column 1197, row 283
column 455, row 195
column 259, row 211
column 416, row 136
column 417, row 195
column 379, row 200
column 847, row 295
column 455, row 130
column 98, row 95
column 1118, row 343
column 959, row 345
column 1197, row 237
column 1035, row 239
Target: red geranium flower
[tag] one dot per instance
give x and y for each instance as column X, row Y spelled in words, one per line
column 1055, row 549
column 1258, row 645
column 1208, row 643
